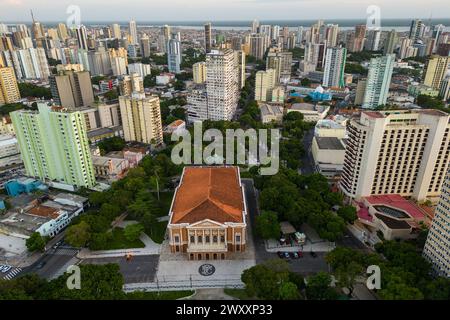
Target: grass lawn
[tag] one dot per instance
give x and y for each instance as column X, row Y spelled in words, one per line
column 164, row 295
column 239, row 294
column 165, row 202
column 158, row 231
column 119, row 241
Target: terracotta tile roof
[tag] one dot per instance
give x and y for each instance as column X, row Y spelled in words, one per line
column 208, row 193
column 43, row 211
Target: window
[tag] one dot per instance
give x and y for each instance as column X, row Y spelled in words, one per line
column 177, row 239
column 200, row 239
column 192, row 239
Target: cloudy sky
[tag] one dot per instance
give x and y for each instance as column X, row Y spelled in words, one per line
column 172, row 10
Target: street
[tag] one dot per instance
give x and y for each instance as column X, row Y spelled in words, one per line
column 139, row 269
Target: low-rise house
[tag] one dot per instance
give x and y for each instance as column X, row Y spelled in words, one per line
column 271, row 113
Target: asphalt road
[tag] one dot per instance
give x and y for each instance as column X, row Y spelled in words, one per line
column 52, row 262
column 138, row 270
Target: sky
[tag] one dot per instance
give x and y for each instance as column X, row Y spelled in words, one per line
column 218, row 10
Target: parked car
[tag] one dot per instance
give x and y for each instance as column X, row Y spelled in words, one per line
column 300, row 254
column 280, row 254
column 41, row 265
column 295, row 255
column 5, row 268
column 286, row 255
column 313, row 254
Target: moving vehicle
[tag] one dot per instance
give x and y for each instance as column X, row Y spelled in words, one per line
column 5, row 268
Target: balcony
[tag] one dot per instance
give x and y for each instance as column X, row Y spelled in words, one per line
column 195, row 248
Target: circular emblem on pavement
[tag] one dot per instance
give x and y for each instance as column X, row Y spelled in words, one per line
column 206, row 270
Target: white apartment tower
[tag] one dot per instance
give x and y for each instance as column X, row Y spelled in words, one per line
column 333, row 75
column 437, row 246
column 397, row 152
column 378, row 81
column 218, row 99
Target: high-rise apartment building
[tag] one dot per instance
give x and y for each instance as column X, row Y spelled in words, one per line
column 265, row 82
column 115, row 30
column 145, row 46
column 435, row 71
column 280, row 61
column 141, row 118
column 62, row 31
column 29, row 63
column 240, row 57
column 174, row 53
column 54, row 145
column 332, row 32
column 378, row 81
column 208, row 37
column 259, row 42
column 72, row 89
column 390, row 42
column 416, row 30
column 397, row 152
column 81, row 33
column 373, row 40
column 131, row 83
column 437, row 246
column 333, row 75
column 133, row 33
column 218, row 99
column 9, row 91
column 199, row 72
column 358, row 39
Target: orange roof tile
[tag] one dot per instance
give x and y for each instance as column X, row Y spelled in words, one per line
column 43, row 211
column 208, row 193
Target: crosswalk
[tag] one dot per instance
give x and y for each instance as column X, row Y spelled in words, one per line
column 12, row 274
column 65, row 252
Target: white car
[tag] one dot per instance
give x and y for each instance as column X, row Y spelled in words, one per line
column 4, row 268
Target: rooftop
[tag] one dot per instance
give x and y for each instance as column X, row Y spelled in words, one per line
column 44, row 211
column 303, row 107
column 213, row 193
column 393, row 223
column 329, row 143
column 396, row 201
column 267, row 109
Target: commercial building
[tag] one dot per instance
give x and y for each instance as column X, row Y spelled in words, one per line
column 390, row 42
column 437, row 246
column 310, row 112
column 72, row 89
column 208, row 216
column 400, row 152
column 271, row 113
column 334, row 67
column 378, row 81
column 435, row 71
column 9, row 91
column 328, row 154
column 141, row 118
column 259, row 43
column 54, row 145
column 133, row 33
column 145, row 46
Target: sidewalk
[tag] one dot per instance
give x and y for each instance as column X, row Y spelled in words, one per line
column 151, row 248
column 273, row 246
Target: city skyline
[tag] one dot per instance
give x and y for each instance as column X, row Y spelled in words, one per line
column 235, row 10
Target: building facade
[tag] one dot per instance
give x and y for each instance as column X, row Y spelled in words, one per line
column 9, row 91
column 401, row 152
column 54, row 145
column 437, row 246
column 208, row 216
column 141, row 118
column 334, row 67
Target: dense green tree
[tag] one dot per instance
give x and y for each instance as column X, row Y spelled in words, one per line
column 348, row 213
column 267, row 225
column 319, row 287
column 35, row 242
column 346, row 276
column 289, row 291
column 31, row 90
column 78, row 235
column 111, row 144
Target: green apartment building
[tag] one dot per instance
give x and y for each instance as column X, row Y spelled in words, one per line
column 54, row 145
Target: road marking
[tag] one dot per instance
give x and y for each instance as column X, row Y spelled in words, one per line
column 12, row 274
